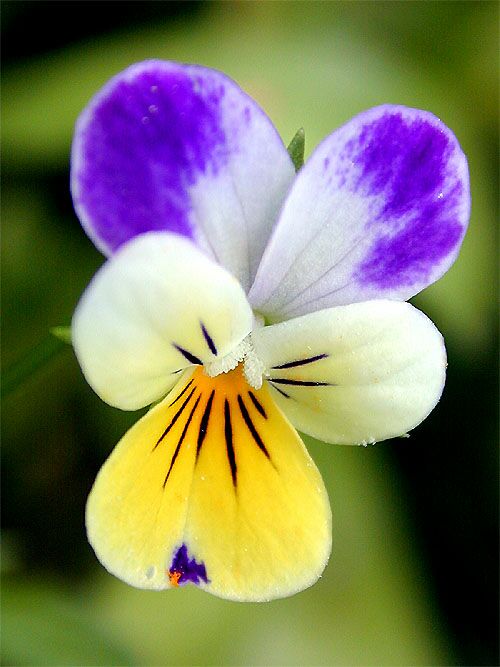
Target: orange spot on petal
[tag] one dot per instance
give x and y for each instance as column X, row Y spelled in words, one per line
column 174, row 577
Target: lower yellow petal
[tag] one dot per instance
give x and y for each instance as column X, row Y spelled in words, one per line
column 212, row 486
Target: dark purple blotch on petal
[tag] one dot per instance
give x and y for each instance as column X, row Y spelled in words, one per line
column 408, row 161
column 188, row 569
column 141, row 146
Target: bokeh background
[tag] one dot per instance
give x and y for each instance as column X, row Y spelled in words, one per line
column 413, row 575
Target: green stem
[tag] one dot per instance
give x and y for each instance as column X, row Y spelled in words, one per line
column 31, row 362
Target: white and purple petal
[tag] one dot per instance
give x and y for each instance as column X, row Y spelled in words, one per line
column 379, row 211
column 180, row 148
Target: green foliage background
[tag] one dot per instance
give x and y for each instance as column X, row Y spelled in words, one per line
column 413, row 575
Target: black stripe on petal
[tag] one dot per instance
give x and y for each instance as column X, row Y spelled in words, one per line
column 175, row 418
column 187, row 355
column 228, row 433
column 208, row 339
column 183, row 435
column 283, row 393
column 302, row 383
column 204, row 423
column 251, row 427
column 182, row 392
column 301, row 362
column 258, row 406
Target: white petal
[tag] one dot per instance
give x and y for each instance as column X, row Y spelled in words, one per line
column 355, row 374
column 157, row 306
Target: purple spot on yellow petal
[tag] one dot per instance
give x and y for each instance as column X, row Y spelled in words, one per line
column 185, row 569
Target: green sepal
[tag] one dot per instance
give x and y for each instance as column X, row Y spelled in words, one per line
column 63, row 333
column 296, row 148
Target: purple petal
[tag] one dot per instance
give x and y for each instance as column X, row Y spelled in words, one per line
column 179, row 148
column 386, row 200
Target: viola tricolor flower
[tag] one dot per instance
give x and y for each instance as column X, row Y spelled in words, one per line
column 246, row 301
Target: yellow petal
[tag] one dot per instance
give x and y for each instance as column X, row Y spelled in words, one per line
column 214, row 486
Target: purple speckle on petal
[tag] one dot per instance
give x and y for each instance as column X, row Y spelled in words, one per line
column 184, row 569
column 407, row 161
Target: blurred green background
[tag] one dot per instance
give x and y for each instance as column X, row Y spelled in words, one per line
column 413, row 577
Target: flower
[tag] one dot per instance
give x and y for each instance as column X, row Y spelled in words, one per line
column 250, row 301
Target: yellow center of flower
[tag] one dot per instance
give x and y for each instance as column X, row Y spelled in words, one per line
column 227, row 382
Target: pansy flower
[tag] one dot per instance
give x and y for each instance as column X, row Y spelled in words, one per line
column 244, row 301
